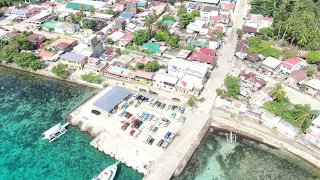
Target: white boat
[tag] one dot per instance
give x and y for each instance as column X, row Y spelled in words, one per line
column 55, row 132
column 108, row 173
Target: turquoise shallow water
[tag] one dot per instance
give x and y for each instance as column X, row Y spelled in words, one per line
column 217, row 159
column 29, row 105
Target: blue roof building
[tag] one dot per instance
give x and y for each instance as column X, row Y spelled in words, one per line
column 112, row 98
column 142, row 4
column 126, row 15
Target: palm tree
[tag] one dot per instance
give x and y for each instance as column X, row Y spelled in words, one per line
column 278, row 92
column 92, row 11
column 80, row 14
column 148, row 22
column 303, row 116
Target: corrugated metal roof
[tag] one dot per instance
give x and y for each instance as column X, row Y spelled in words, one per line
column 73, row 57
column 112, row 98
column 74, row 5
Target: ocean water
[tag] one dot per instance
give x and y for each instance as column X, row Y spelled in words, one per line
column 31, row 104
column 217, row 159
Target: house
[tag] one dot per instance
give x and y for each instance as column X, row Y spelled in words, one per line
column 183, row 54
column 192, row 6
column 139, row 60
column 109, row 54
column 19, row 13
column 222, row 101
column 239, row 107
column 95, row 65
column 74, row 61
column 120, row 23
column 252, row 57
column 63, row 44
column 164, row 81
column 255, row 82
column 258, row 98
column 131, row 27
column 76, row 6
column 295, row 77
column 229, row 7
column 190, row 84
column 259, row 21
column 249, row 31
column 287, row 129
column 211, row 2
column 225, row 1
column 225, row 19
column 126, row 15
column 154, row 47
column 291, row 64
column 271, row 63
column 90, row 46
column 270, row 119
column 121, row 72
column 202, row 57
column 313, row 86
column 37, row 40
column 208, row 51
column 40, row 18
column 142, row 77
column 61, row 27
column 242, row 49
column 132, row 7
column 208, row 11
column 126, row 39
column 48, row 56
column 116, row 36
column 313, row 132
column 214, row 19
column 253, row 113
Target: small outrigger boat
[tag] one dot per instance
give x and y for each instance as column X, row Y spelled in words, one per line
column 55, row 132
column 108, row 173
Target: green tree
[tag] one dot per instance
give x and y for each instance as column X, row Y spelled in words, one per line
column 232, row 85
column 217, row 34
column 139, row 65
column 168, row 17
column 118, row 51
column 219, row 92
column 162, row 36
column 109, row 11
column 162, row 27
column 264, row 7
column 191, row 101
column 89, row 24
column 174, row 40
column 7, row 53
column 21, row 42
column 152, row 66
column 266, row 32
column 313, row 57
column 142, row 36
column 92, row 11
column 182, row 11
column 278, row 92
column 80, row 15
column 289, row 54
column 239, row 33
column 310, row 70
column 185, row 19
column 36, row 64
column 195, row 13
column 73, row 18
column 109, row 41
column 91, row 78
column 302, row 115
column 61, row 70
column 26, row 59
column 302, row 88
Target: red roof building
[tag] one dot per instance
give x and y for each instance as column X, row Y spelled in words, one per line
column 208, row 51
column 214, row 19
column 230, row 6
column 291, row 62
column 201, row 57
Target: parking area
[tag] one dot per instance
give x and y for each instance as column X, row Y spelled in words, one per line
column 139, row 130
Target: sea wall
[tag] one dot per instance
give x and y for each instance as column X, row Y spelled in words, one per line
column 47, row 73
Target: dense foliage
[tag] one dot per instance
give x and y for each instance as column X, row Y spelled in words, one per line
column 294, row 21
column 297, row 115
column 109, row 11
column 191, row 101
column 61, row 70
column 168, row 17
column 91, row 78
column 29, row 60
column 256, row 45
column 232, row 85
column 89, row 24
column 152, row 66
column 186, row 18
column 142, row 36
column 313, row 57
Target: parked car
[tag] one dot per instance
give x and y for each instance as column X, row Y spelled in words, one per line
column 146, row 99
column 151, row 141
column 173, row 107
column 124, row 113
column 167, row 135
column 176, row 99
column 138, row 103
column 165, row 144
column 144, row 116
column 139, row 123
column 150, row 100
column 161, row 141
column 93, row 111
column 172, row 135
column 129, row 115
column 138, row 97
column 137, row 133
column 142, row 90
column 135, row 95
column 152, row 93
column 125, row 126
column 183, row 119
column 173, row 114
column 182, row 110
column 155, row 129
column 178, row 118
column 168, row 107
column 158, row 104
column 134, row 123
column 163, row 105
column 132, row 132
column 150, row 117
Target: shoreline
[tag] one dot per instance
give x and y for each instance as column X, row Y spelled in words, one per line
column 49, row 74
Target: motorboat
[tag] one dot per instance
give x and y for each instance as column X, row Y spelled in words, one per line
column 56, row 131
column 108, row 173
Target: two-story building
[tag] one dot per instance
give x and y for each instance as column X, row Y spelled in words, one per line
column 291, row 64
column 61, row 27
column 208, row 11
column 142, row 77
column 74, row 61
column 164, row 81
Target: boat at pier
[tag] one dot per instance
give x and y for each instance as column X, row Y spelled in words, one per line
column 108, row 173
column 55, row 132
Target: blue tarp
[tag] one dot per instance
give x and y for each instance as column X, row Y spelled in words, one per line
column 126, row 15
column 142, row 4
column 112, row 98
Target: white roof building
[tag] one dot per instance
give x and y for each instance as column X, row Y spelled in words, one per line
column 165, row 78
column 314, row 83
column 116, row 36
column 207, row 1
column 287, row 129
column 271, row 62
column 316, row 121
column 270, row 118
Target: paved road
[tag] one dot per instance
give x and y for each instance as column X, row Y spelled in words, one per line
column 224, row 61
